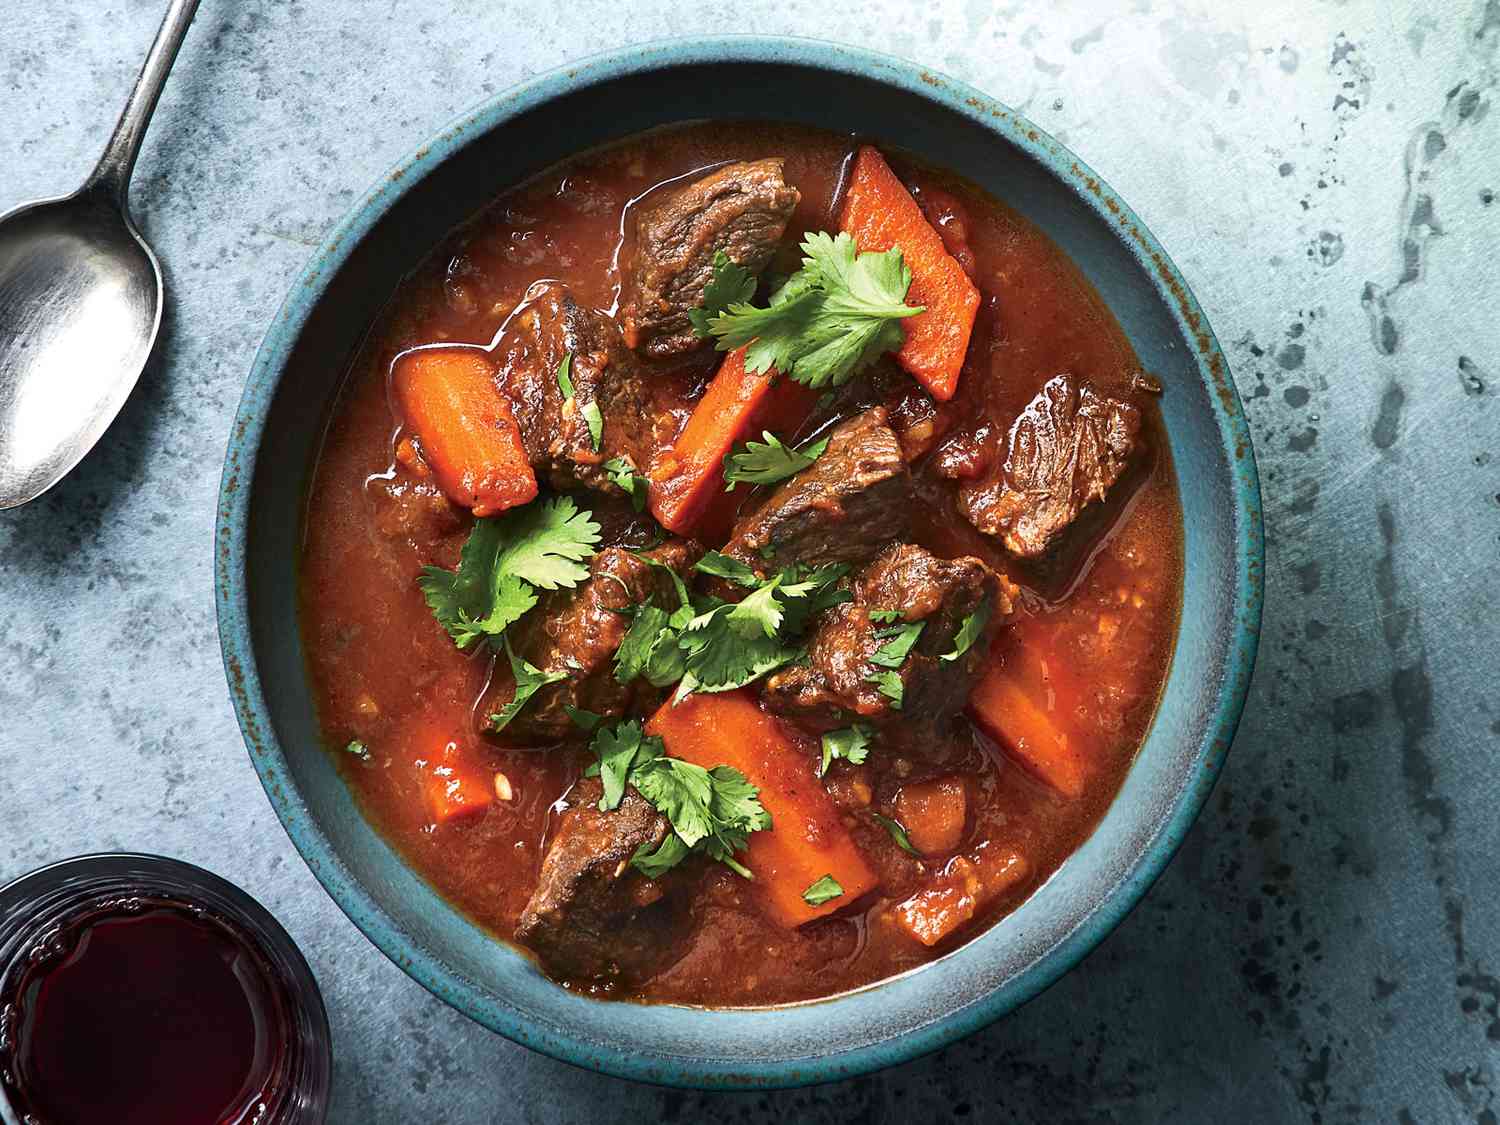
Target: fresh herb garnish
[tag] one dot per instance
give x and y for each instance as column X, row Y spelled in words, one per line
column 767, row 462
column 886, row 616
column 589, row 410
column 731, row 284
column 504, row 562
column 831, row 319
column 851, row 743
column 712, row 811
column 584, row 720
column 358, row 749
column 623, row 474
column 824, row 890
column 708, row 644
column 903, row 841
column 529, row 680
column 890, row 685
column 970, row 630
column 899, row 639
column 722, row 566
column 595, row 420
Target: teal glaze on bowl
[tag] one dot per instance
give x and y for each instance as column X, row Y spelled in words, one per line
column 294, row 383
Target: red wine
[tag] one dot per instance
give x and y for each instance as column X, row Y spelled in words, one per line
column 149, row 1009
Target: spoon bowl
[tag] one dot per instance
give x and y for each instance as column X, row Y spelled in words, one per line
column 80, row 306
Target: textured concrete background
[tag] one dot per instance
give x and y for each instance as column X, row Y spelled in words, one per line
column 1326, row 945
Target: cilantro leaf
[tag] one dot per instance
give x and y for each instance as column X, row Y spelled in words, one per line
column 890, row 685
column 623, row 474
column 831, row 319
column 970, row 630
column 710, row 810
column 730, row 284
column 886, row 616
column 722, row 566
column 616, row 750
column 897, row 832
column 529, row 680
column 642, row 636
column 668, row 854
column 584, row 720
column 767, row 462
column 851, row 743
column 358, row 749
column 595, row 420
column 901, row 638
column 824, row 890
column 565, row 376
column 505, row 559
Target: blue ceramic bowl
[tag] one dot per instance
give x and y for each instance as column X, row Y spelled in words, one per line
column 292, row 387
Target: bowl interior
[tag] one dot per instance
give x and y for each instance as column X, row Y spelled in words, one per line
column 294, row 385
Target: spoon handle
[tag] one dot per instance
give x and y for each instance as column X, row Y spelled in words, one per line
column 112, row 174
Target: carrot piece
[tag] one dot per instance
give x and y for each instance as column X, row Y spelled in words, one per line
column 1007, row 711
column 465, row 426
column 880, row 213
column 453, row 788
column 807, row 840
column 933, row 812
column 687, row 481
column 966, row 885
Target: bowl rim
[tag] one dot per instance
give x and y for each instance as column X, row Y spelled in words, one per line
column 232, row 520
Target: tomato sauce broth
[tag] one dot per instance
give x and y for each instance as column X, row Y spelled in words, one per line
column 1093, row 635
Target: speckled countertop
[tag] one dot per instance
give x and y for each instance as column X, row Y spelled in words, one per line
column 1326, row 946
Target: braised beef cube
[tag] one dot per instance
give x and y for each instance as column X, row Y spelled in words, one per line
column 592, row 916
column 841, row 682
column 549, row 327
column 847, row 506
column 741, row 209
column 576, row 632
column 1066, row 449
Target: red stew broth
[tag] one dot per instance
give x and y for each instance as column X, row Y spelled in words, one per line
column 1093, row 637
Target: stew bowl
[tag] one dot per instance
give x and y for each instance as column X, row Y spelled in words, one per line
column 292, row 389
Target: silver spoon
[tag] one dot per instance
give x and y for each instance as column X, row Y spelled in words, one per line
column 80, row 301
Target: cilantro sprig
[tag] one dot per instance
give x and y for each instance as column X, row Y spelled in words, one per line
column 708, row 644
column 529, row 680
column 767, row 462
column 851, row 743
column 505, row 561
column 830, row 320
column 711, row 811
column 589, row 410
column 731, row 284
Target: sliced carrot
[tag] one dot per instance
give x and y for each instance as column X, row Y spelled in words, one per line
column 807, row 839
column 687, row 480
column 453, row 787
column 880, row 213
column 467, row 432
column 1035, row 738
column 965, row 886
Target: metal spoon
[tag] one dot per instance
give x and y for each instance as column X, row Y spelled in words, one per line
column 80, row 301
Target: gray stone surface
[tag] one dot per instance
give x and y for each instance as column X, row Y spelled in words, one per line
column 1325, row 946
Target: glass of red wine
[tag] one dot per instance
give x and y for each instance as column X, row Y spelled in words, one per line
column 140, row 990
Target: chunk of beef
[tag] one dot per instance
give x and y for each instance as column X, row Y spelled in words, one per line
column 836, row 686
column 577, row 631
column 741, row 209
column 592, row 916
column 847, row 506
column 1066, row 449
column 550, row 326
